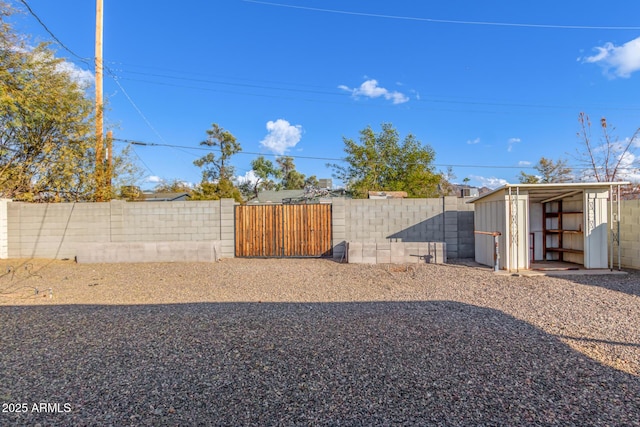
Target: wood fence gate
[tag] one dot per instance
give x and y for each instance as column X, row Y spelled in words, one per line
column 283, row 230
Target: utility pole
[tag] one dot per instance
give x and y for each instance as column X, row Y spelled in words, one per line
column 109, row 168
column 99, row 172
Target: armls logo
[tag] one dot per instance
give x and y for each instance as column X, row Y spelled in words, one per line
column 51, row 408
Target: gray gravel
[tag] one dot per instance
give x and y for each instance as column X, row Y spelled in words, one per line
column 313, row 342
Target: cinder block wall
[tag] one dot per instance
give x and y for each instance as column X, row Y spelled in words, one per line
column 4, row 229
column 447, row 219
column 629, row 235
column 57, row 230
column 54, row 230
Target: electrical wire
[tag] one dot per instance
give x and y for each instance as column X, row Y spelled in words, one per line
column 417, row 104
column 444, row 21
column 126, row 94
column 331, row 159
column 335, row 159
column 87, row 61
column 421, row 102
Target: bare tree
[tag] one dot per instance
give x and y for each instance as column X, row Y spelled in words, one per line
column 610, row 159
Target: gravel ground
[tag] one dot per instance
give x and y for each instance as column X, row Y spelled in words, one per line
column 313, row 342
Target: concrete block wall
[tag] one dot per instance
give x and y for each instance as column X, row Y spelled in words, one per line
column 61, row 230
column 629, row 235
column 124, row 252
column 465, row 236
column 227, row 232
column 41, row 230
column 448, row 220
column 4, row 229
column 396, row 253
column 165, row 221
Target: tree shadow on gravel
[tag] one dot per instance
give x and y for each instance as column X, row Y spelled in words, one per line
column 401, row 363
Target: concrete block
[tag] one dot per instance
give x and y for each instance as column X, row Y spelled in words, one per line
column 369, row 260
column 397, row 253
column 383, row 256
column 148, row 252
column 369, row 248
column 338, row 222
column 354, row 253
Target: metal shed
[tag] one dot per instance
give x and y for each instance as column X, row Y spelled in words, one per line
column 538, row 226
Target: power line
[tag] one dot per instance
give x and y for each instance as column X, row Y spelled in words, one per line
column 444, row 21
column 332, row 159
column 85, row 60
column 140, row 158
column 423, row 100
column 126, row 94
column 117, row 79
column 253, row 153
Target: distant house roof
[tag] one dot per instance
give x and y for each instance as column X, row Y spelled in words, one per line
column 387, row 194
column 165, row 197
column 277, row 196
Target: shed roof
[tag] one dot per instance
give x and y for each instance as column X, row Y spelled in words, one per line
column 541, row 192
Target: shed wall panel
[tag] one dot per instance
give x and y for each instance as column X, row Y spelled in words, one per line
column 596, row 230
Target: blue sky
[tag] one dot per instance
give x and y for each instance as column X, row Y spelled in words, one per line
column 491, row 86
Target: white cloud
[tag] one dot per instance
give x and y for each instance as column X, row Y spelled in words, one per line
column 155, row 179
column 617, row 61
column 513, row 141
column 247, row 177
column 282, row 136
column 370, row 89
column 490, row 182
column 474, row 141
column 524, row 163
column 629, row 168
column 84, row 78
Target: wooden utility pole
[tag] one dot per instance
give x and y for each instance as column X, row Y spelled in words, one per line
column 99, row 172
column 109, row 168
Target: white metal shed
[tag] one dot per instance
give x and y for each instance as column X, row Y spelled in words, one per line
column 521, row 226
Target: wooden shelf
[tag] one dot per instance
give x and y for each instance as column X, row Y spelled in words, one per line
column 567, row 250
column 558, row 231
column 557, row 214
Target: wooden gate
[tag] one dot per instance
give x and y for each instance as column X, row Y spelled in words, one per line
column 283, row 230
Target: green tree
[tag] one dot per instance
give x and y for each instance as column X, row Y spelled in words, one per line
column 173, row 186
column 611, row 159
column 526, row 178
column 223, row 189
column 264, row 170
column 46, row 151
column 549, row 172
column 311, row 181
column 217, row 172
column 291, row 178
column 381, row 162
column 130, row 193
